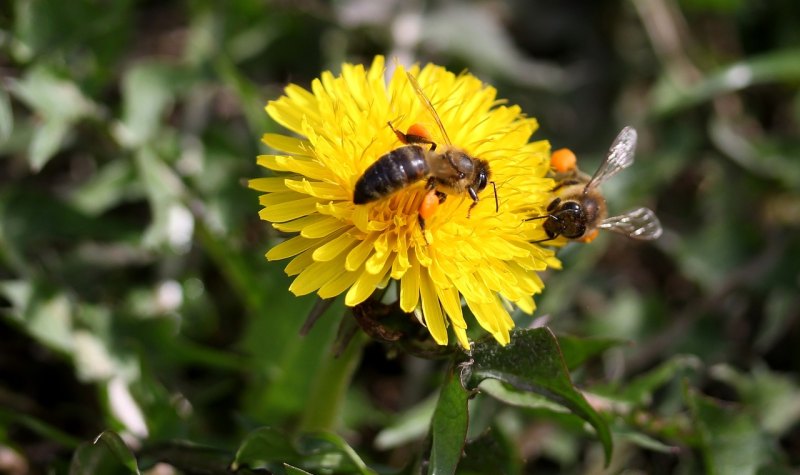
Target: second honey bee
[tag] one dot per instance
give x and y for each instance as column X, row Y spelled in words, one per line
column 448, row 170
column 579, row 210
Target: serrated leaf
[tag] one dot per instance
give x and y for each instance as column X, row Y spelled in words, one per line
column 533, row 362
column 449, row 427
column 107, row 454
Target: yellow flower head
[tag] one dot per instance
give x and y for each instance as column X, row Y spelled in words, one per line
column 485, row 257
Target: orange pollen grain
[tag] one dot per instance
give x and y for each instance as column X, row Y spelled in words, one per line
column 563, row 160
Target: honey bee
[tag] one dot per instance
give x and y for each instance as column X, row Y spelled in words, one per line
column 579, row 210
column 448, row 170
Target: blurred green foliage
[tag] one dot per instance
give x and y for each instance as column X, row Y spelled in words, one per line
column 136, row 300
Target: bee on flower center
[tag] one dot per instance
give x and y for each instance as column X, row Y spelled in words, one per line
column 448, row 170
column 579, row 210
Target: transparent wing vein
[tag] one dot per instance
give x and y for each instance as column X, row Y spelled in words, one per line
column 641, row 223
column 620, row 156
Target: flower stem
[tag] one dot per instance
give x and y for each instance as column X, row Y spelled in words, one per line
column 329, row 388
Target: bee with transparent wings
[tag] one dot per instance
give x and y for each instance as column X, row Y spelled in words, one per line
column 447, row 169
column 579, row 210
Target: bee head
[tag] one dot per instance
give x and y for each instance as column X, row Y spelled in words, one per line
column 568, row 220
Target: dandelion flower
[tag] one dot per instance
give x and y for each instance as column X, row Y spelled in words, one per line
column 484, row 260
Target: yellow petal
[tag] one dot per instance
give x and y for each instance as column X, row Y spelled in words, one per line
column 299, row 224
column 409, row 288
column 318, row 189
column 287, row 144
column 461, row 336
column 268, row 184
column 338, row 284
column 359, row 254
column 270, row 199
column 322, row 228
column 300, row 262
column 363, row 287
column 452, row 306
column 313, row 277
column 290, row 210
column 434, row 318
column 291, row 247
column 378, row 259
column 334, row 248
column 526, row 304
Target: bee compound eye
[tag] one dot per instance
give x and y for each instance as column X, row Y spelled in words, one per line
column 483, row 180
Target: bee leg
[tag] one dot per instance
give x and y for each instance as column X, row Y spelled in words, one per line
column 474, row 195
column 430, row 203
column 421, row 222
column 416, row 135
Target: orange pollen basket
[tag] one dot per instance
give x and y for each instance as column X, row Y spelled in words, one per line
column 563, row 160
column 429, row 205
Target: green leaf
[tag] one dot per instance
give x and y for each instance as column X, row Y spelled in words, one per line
column 645, row 441
column 775, row 397
column 106, row 188
column 730, row 440
column 45, row 315
column 775, row 66
column 408, row 426
column 509, row 395
column 6, row 117
column 265, row 446
column 291, row 470
column 327, row 443
column 46, row 142
column 52, row 97
column 270, row 449
column 490, row 453
column 449, row 427
column 172, row 224
column 148, row 89
column 533, row 362
column 640, row 390
column 107, row 454
column 577, row 350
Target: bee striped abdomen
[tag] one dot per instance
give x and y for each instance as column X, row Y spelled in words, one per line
column 391, row 172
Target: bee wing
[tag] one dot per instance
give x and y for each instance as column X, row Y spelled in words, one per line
column 620, row 156
column 429, row 106
column 641, row 223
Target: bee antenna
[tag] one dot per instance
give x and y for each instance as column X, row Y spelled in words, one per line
column 541, row 217
column 496, row 200
column 544, row 240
